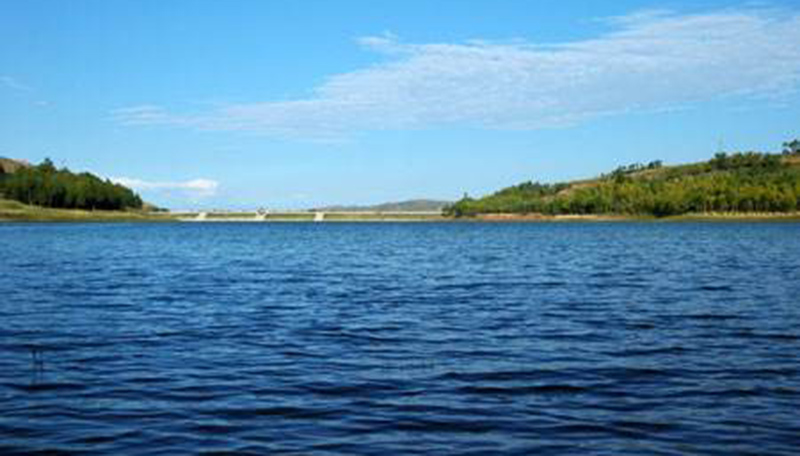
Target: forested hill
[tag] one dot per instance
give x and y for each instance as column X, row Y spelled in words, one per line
column 739, row 182
column 47, row 186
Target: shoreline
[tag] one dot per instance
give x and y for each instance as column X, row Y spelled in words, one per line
column 11, row 211
column 32, row 214
column 69, row 216
column 700, row 217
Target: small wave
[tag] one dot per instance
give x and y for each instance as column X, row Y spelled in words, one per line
column 46, row 387
column 634, row 352
column 635, row 373
column 523, row 390
column 470, row 286
column 774, row 336
column 646, row 426
column 710, row 316
column 216, row 428
column 287, row 412
column 714, row 288
column 336, row 390
column 616, row 285
column 579, row 428
column 498, row 376
column 106, row 438
column 16, row 450
column 550, row 284
column 441, row 426
column 742, row 392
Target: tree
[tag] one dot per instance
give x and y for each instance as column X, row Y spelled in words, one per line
column 791, row 147
column 47, row 166
column 45, row 185
column 720, row 161
column 748, row 181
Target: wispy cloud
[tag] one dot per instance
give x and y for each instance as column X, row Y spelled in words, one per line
column 143, row 115
column 195, row 188
column 22, row 90
column 650, row 61
column 12, row 83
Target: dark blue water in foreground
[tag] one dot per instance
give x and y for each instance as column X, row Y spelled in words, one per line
column 612, row 339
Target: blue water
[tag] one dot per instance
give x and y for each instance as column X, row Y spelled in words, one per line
column 460, row 338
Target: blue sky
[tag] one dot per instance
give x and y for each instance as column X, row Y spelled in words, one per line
column 302, row 103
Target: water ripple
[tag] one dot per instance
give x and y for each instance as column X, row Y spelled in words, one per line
column 470, row 339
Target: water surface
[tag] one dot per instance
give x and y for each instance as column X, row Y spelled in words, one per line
column 606, row 339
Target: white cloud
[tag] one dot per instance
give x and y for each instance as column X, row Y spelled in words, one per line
column 143, row 115
column 651, row 61
column 14, row 84
column 196, row 188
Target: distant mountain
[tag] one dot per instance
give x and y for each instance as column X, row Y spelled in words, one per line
column 10, row 166
column 417, row 205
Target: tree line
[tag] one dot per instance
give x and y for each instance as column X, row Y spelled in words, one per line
column 45, row 185
column 740, row 182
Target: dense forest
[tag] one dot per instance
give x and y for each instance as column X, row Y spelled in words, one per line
column 45, row 185
column 739, row 182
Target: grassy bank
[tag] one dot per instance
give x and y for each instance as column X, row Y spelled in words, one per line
column 13, row 211
column 699, row 217
column 738, row 216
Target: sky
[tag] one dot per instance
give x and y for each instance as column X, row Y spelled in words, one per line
column 303, row 103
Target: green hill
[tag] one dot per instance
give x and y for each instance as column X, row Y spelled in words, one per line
column 45, row 185
column 741, row 182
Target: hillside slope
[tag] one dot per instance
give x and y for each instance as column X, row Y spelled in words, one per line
column 741, row 182
column 45, row 185
column 10, row 166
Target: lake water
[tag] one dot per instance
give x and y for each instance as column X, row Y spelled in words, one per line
column 451, row 338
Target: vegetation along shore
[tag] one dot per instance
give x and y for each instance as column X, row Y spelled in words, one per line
column 737, row 186
column 46, row 193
